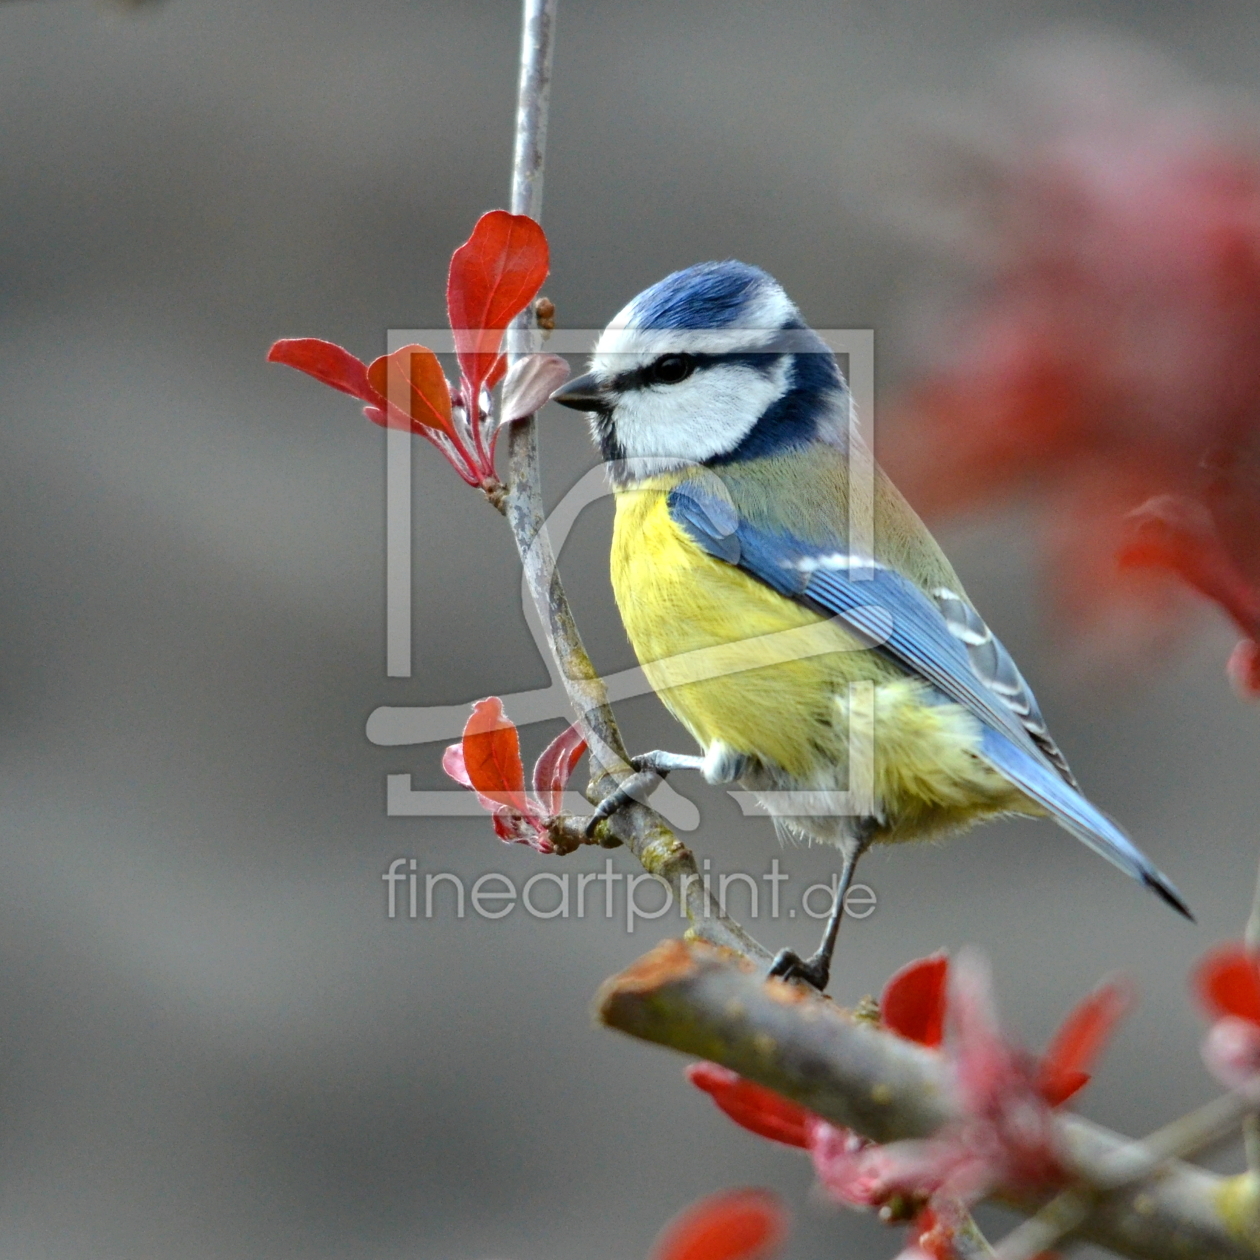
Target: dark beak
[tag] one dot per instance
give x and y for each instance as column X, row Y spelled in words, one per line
column 583, row 393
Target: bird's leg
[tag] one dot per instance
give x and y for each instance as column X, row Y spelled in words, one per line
column 649, row 769
column 816, row 971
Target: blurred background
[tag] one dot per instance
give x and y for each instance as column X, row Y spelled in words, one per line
column 213, row 1042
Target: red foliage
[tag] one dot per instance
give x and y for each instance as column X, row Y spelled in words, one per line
column 1111, row 358
column 733, row 1225
column 913, row 1002
column 325, row 362
column 1180, row 535
column 488, row 760
column 1064, row 1068
column 494, row 276
column 913, row 1006
column 554, row 767
column 1227, row 983
column 754, row 1107
column 412, row 380
column 1004, row 1134
column 492, row 755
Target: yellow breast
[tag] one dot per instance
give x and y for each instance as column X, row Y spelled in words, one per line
column 738, row 663
column 730, row 658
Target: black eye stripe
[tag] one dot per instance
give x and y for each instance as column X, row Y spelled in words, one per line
column 643, row 377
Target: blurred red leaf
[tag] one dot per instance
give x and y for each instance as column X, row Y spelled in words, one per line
column 1003, row 1132
column 733, row 1225
column 913, row 1001
column 1227, row 982
column 326, row 362
column 1111, row 354
column 1179, row 534
column 492, row 755
column 494, row 275
column 554, row 766
column 754, row 1107
column 1064, row 1068
column 411, row 380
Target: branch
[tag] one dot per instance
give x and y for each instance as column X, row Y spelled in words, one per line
column 637, row 827
column 1186, row 1136
column 703, row 1002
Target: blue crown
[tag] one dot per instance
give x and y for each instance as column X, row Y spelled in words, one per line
column 707, row 295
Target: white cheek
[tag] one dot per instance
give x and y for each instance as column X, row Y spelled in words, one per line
column 708, row 414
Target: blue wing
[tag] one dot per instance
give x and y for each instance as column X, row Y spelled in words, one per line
column 936, row 641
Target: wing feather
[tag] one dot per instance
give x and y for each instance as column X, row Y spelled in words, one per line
column 937, row 636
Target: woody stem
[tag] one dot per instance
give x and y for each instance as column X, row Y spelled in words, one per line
column 639, row 828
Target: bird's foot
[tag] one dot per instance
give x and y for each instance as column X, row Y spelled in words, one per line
column 649, row 769
column 789, row 965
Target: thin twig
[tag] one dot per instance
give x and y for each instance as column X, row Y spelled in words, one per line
column 1183, row 1137
column 702, row 1002
column 639, row 828
column 969, row 1242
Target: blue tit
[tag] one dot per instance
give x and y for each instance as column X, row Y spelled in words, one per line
column 725, row 424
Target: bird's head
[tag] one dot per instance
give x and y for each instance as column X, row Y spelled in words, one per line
column 711, row 364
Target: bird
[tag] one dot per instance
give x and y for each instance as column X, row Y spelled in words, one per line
column 769, row 628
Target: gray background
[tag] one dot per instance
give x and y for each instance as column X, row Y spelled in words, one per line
column 212, row 1042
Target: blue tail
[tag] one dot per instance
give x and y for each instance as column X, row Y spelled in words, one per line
column 1074, row 813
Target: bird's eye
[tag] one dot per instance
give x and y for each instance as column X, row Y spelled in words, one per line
column 669, row 369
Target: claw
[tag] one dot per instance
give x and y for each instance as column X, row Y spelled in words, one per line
column 649, row 769
column 789, row 965
column 637, row 786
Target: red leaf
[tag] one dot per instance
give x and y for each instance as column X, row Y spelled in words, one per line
column 515, row 818
column 325, row 362
column 555, row 765
column 530, row 383
column 913, row 1002
column 492, row 755
column 1081, row 1037
column 453, row 764
column 1177, row 533
column 755, row 1108
column 733, row 1225
column 411, row 380
column 1228, row 983
column 494, row 276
